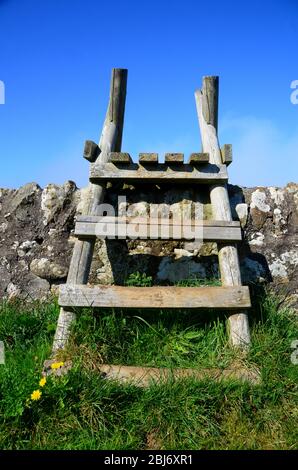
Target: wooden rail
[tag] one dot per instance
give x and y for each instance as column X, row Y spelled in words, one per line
column 146, row 228
column 154, row 297
column 179, row 173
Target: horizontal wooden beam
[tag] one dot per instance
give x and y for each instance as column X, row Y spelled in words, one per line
column 154, row 229
column 177, row 158
column 227, row 154
column 154, row 297
column 148, row 158
column 162, row 221
column 145, row 376
column 159, row 173
column 119, row 157
column 196, row 158
column 91, row 151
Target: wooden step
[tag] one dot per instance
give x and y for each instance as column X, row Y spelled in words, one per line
column 156, row 229
column 161, row 172
column 154, row 297
column 145, row 376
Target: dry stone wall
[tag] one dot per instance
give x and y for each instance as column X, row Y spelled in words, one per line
column 36, row 238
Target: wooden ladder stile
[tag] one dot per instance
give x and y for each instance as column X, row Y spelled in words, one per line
column 108, row 163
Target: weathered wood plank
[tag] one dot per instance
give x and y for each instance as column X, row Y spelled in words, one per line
column 177, row 158
column 110, row 140
column 196, row 158
column 119, row 157
column 159, row 173
column 91, row 151
column 162, row 221
column 154, row 297
column 227, row 154
column 134, row 229
column 148, row 158
column 207, row 108
column 144, row 376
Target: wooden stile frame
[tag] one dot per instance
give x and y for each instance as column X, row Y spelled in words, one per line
column 108, row 163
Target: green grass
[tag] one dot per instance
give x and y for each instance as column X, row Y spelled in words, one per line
column 84, row 411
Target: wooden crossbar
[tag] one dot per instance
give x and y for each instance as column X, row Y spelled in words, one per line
column 180, row 173
column 154, row 297
column 146, row 228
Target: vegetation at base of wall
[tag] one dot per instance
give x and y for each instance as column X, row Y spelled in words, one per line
column 82, row 410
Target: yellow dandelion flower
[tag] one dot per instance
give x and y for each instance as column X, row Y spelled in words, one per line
column 36, row 395
column 42, row 382
column 57, row 365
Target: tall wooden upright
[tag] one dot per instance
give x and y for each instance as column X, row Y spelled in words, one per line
column 207, row 108
column 110, row 141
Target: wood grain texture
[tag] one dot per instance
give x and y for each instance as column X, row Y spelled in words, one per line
column 136, row 228
column 207, row 109
column 227, row 154
column 162, row 221
column 174, row 158
column 110, row 141
column 154, row 297
column 197, row 158
column 91, row 151
column 148, row 158
column 145, row 376
column 119, row 157
column 159, row 173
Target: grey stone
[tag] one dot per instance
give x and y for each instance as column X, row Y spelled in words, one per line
column 23, row 194
column 47, row 269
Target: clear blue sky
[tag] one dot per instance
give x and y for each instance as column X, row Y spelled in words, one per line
column 56, row 58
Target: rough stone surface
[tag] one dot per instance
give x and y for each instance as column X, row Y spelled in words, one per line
column 36, row 237
column 47, row 269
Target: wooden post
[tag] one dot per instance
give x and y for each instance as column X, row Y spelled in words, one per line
column 110, row 141
column 207, row 109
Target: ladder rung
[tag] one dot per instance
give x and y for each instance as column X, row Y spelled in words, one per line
column 154, row 229
column 162, row 172
column 154, row 297
column 162, row 221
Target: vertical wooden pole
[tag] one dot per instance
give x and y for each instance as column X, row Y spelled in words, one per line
column 110, row 141
column 207, row 108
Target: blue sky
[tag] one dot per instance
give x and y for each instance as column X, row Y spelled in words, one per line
column 56, row 58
